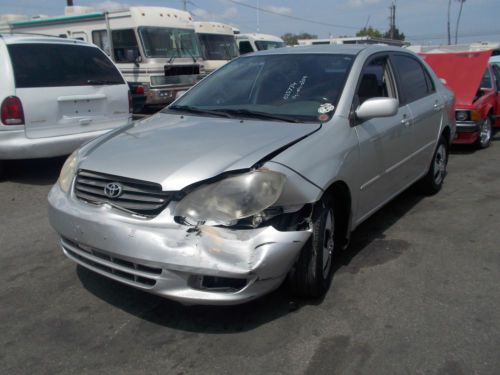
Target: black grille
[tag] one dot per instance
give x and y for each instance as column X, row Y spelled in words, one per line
column 136, row 273
column 183, row 70
column 140, row 197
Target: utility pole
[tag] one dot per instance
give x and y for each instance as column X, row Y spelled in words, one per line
column 392, row 20
column 184, row 4
column 449, row 31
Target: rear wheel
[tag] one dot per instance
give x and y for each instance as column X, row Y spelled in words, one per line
column 432, row 182
column 485, row 133
column 311, row 274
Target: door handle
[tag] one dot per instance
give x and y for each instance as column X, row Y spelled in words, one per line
column 437, row 106
column 406, row 121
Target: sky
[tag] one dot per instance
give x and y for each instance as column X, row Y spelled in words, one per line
column 422, row 21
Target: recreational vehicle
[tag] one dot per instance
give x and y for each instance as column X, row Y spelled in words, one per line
column 257, row 42
column 217, row 43
column 154, row 46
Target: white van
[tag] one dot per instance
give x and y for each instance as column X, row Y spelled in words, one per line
column 56, row 94
column 257, row 42
column 155, row 47
column 217, row 43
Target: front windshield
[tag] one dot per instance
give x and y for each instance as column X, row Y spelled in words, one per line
column 169, row 42
column 218, row 47
column 292, row 85
column 267, row 44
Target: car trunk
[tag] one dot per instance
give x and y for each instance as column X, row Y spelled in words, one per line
column 55, row 111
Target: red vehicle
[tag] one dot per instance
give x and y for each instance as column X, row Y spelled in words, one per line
column 476, row 85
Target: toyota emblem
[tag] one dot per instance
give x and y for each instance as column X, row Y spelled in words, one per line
column 113, row 190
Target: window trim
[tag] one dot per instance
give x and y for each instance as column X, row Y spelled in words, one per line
column 392, row 76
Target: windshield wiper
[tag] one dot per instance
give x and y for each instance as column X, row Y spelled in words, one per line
column 257, row 114
column 173, row 56
column 189, row 53
column 190, row 109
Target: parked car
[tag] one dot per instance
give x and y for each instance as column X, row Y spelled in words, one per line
column 56, row 94
column 257, row 174
column 476, row 84
column 139, row 96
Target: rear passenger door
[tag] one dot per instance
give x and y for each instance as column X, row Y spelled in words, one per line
column 418, row 92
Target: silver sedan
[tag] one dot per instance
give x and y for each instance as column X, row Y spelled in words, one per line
column 256, row 175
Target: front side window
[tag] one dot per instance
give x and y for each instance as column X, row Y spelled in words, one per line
column 293, row 85
column 218, row 47
column 496, row 73
column 125, row 47
column 263, row 45
column 56, row 65
column 412, row 77
column 165, row 42
column 486, row 80
column 376, row 81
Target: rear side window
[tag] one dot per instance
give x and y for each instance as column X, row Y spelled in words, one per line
column 56, row 65
column 413, row 80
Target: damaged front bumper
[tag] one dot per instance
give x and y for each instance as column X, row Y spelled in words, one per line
column 204, row 265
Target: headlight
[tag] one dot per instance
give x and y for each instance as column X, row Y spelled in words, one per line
column 462, row 115
column 68, row 172
column 232, row 198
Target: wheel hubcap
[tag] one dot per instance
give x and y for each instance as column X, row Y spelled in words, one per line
column 329, row 244
column 440, row 164
column 485, row 133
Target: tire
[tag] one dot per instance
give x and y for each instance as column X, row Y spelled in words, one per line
column 485, row 134
column 310, row 277
column 432, row 182
column 2, row 170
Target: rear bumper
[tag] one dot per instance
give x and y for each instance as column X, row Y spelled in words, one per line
column 15, row 145
column 162, row 257
column 163, row 96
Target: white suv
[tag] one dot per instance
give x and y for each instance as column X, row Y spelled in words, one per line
column 56, row 94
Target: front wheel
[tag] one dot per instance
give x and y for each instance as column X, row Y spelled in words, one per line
column 432, row 182
column 485, row 132
column 311, row 274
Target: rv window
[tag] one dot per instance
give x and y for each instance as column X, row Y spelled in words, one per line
column 100, row 39
column 245, row 47
column 263, row 45
column 57, row 65
column 125, row 48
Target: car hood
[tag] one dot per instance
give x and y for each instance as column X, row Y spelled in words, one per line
column 462, row 71
column 177, row 151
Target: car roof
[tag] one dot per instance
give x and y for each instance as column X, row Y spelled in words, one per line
column 14, row 38
column 345, row 49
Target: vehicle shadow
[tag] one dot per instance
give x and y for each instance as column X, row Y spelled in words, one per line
column 228, row 319
column 34, row 171
column 463, row 149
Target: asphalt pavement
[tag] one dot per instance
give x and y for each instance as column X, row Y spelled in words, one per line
column 418, row 292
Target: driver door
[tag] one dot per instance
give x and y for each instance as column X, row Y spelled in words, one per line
column 383, row 142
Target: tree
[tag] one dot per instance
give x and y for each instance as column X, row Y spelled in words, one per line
column 397, row 34
column 292, row 39
column 369, row 31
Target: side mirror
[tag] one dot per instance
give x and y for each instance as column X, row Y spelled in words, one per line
column 377, row 107
column 137, row 60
